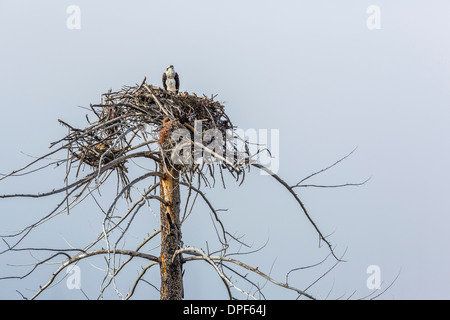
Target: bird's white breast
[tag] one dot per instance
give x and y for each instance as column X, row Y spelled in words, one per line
column 170, row 83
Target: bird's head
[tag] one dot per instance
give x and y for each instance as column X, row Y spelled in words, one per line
column 169, row 67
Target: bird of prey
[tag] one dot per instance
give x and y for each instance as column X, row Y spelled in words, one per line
column 170, row 80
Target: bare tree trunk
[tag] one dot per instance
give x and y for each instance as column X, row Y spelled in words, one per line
column 171, row 269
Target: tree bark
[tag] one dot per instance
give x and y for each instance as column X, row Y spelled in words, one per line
column 171, row 268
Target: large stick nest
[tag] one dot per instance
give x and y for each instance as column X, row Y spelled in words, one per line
column 146, row 117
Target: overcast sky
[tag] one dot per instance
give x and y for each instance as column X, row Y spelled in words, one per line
column 313, row 70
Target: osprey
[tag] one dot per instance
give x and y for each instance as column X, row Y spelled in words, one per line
column 170, row 80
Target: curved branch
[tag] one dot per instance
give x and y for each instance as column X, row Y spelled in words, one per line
column 87, row 178
column 90, row 254
column 325, row 169
column 212, row 210
column 331, row 186
column 289, row 188
column 203, row 256
column 198, row 254
column 144, row 270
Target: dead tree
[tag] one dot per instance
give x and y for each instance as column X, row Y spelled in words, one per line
column 190, row 142
column 170, row 264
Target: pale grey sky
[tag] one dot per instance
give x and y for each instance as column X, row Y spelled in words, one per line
column 311, row 69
